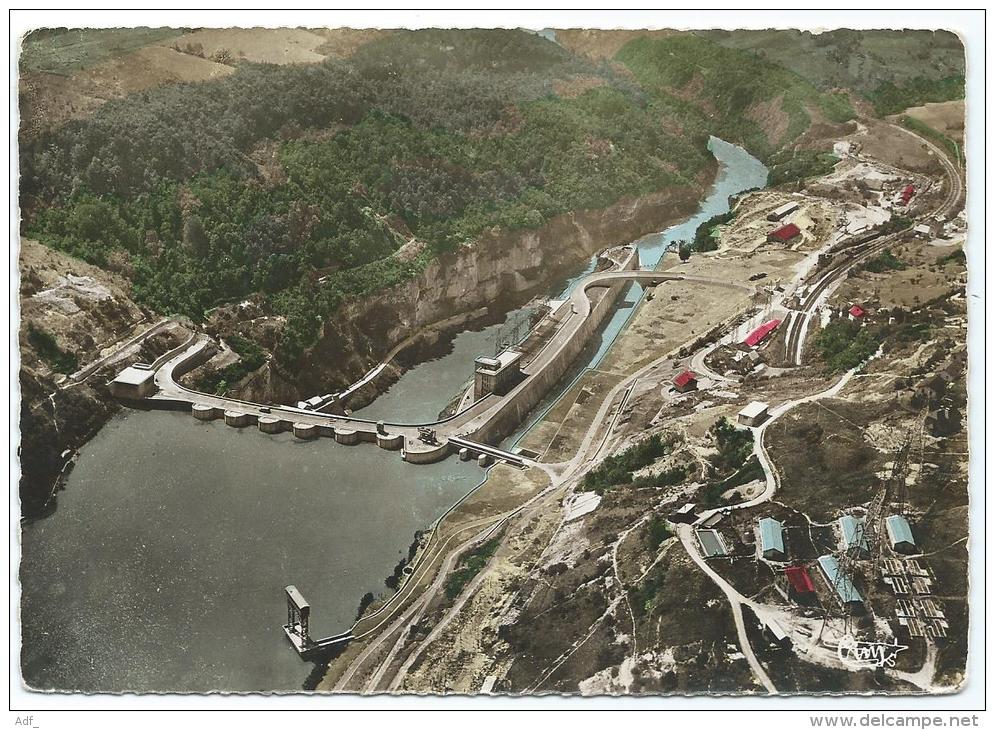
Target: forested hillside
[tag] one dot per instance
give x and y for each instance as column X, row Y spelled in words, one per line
column 313, row 183
column 891, row 70
column 738, row 95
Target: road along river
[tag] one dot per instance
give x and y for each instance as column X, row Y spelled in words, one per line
column 163, row 567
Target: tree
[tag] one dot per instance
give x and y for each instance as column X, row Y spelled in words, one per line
column 194, row 237
column 684, row 251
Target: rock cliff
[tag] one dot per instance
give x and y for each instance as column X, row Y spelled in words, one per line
column 500, row 271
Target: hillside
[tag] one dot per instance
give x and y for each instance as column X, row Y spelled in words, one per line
column 741, row 97
column 362, row 157
column 892, row 70
column 274, row 177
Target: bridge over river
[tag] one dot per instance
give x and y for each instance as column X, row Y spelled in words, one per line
column 468, row 432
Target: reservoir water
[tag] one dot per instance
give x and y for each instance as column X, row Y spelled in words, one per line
column 164, row 564
column 163, row 567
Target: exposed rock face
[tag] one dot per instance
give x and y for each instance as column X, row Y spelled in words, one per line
column 85, row 308
column 501, row 270
column 53, row 421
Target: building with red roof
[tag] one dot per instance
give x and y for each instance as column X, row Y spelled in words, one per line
column 685, row 381
column 856, row 312
column 760, row 333
column 907, row 194
column 799, row 579
column 784, row 234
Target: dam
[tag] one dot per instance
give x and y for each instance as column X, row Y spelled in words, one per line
column 194, row 528
column 490, row 415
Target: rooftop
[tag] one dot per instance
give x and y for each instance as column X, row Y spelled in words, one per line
column 754, row 409
column 786, row 233
column 844, row 587
column 684, row 378
column 853, row 532
column 133, row 375
column 499, row 362
column 899, row 530
column 295, row 595
column 771, row 535
column 786, row 208
column 760, row 333
column 799, row 578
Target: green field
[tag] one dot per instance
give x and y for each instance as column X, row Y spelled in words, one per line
column 64, row 50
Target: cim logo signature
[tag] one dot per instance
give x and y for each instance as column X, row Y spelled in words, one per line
column 868, row 654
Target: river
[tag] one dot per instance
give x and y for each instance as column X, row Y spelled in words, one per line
column 163, row 567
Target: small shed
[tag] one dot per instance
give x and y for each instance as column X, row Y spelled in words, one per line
column 784, row 234
column 684, row 515
column 685, row 381
column 900, row 534
column 754, row 414
column 856, row 312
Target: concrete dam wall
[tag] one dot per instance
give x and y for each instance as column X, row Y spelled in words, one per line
column 517, row 404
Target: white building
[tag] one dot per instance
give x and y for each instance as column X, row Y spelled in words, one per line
column 754, row 414
column 135, row 381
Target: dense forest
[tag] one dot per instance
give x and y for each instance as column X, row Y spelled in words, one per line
column 303, row 182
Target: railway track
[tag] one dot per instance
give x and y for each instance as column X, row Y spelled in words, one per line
column 799, row 319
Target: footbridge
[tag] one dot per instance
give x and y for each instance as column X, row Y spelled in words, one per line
column 484, row 421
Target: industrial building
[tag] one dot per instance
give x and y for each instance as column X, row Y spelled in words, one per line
column 900, row 534
column 854, row 539
column 496, row 375
column 784, row 234
column 754, row 414
column 782, row 212
column 135, row 381
column 843, row 588
column 712, row 544
column 772, row 540
column 760, row 333
column 685, row 381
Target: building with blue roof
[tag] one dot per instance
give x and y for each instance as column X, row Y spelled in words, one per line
column 772, row 540
column 854, row 539
column 900, row 534
column 843, row 588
